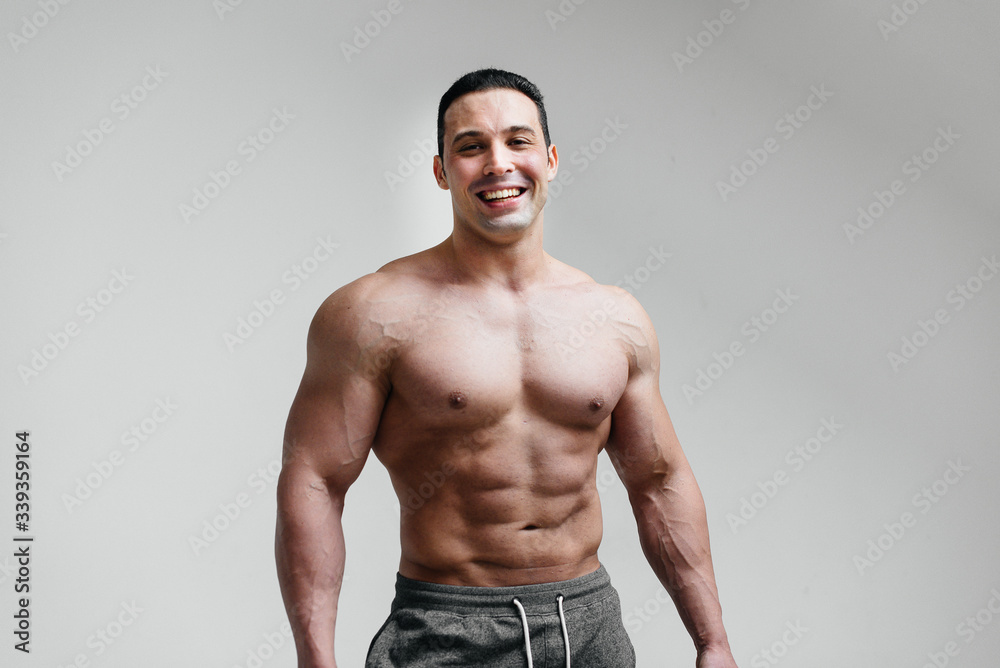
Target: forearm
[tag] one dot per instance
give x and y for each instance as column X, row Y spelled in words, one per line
column 673, row 532
column 309, row 551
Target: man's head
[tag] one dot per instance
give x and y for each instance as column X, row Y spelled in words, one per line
column 488, row 79
column 496, row 158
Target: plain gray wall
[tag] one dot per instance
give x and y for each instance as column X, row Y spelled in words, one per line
column 668, row 99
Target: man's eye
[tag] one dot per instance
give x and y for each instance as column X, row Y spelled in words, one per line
column 469, row 147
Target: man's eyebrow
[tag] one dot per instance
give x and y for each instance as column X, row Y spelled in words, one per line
column 514, row 129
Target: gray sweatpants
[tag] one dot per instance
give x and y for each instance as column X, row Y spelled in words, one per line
column 433, row 626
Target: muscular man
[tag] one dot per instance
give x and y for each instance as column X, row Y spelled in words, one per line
column 459, row 365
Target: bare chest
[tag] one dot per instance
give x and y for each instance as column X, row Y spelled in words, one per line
column 564, row 363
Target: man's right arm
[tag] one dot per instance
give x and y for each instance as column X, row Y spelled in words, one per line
column 328, row 435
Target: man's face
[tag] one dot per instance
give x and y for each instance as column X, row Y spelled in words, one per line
column 495, row 164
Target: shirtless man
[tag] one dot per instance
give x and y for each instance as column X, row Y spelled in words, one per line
column 459, row 369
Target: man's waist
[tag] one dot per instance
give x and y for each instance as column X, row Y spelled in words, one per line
column 536, row 598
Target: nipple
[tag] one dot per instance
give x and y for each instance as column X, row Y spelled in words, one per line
column 596, row 403
column 456, row 399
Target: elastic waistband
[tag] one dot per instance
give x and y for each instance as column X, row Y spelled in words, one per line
column 496, row 601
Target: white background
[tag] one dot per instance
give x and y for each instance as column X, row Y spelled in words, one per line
column 894, row 76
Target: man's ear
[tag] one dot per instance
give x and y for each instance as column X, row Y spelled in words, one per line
column 553, row 166
column 439, row 174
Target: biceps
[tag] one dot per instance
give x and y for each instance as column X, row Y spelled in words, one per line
column 331, row 427
column 643, row 445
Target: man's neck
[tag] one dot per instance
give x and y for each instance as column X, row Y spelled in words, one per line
column 512, row 263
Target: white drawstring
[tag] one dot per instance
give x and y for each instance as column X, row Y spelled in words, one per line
column 527, row 637
column 562, row 620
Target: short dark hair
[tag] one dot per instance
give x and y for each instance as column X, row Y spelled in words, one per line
column 489, row 79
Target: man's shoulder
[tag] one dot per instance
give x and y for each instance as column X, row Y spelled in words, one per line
column 422, row 264
column 610, row 298
column 390, row 281
column 349, row 299
column 375, row 299
column 599, row 303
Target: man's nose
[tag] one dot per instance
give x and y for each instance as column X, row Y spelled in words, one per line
column 498, row 161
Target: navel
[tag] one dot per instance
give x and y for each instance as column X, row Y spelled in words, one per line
column 596, row 403
column 457, row 400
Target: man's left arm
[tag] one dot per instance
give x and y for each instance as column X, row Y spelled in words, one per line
column 666, row 501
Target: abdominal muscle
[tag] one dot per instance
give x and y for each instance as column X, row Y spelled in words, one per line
column 516, row 505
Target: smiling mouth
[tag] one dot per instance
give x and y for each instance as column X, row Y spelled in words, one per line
column 500, row 195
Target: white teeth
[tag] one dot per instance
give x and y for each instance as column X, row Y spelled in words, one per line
column 501, row 194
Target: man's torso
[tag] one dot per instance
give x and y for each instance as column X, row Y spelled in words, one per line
column 500, row 403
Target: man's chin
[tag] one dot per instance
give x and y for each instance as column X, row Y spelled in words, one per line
column 506, row 226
